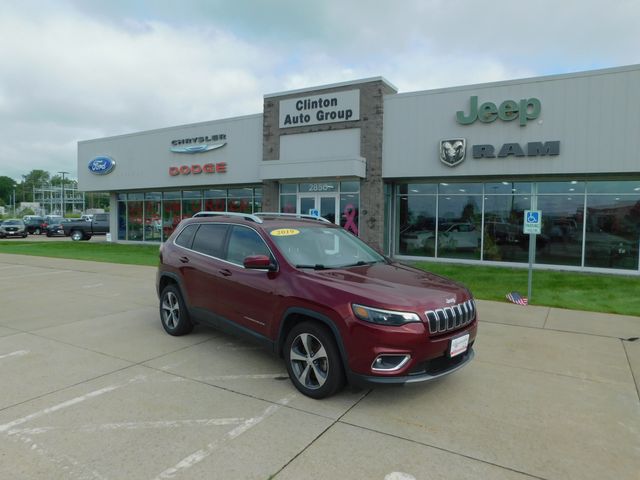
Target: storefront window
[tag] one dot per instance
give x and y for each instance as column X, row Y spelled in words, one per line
column 215, row 200
column 257, row 199
column 170, row 213
column 503, row 214
column 152, row 216
column 191, row 203
column 135, row 209
column 122, row 219
column 459, row 226
column 612, row 231
column 240, row 200
column 288, row 204
column 561, row 240
column 349, row 212
column 351, row 186
column 288, row 188
column 417, row 215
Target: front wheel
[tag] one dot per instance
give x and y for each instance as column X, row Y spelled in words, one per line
column 313, row 360
column 173, row 312
column 77, row 235
column 37, row 231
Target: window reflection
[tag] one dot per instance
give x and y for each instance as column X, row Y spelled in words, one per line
column 459, row 226
column 560, row 242
column 417, row 215
column 612, row 231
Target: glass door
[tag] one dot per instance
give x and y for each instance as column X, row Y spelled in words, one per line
column 325, row 203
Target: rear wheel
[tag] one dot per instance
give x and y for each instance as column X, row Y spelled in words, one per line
column 37, row 231
column 173, row 312
column 313, row 360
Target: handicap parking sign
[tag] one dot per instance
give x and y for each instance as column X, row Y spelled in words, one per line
column 314, row 212
column 532, row 222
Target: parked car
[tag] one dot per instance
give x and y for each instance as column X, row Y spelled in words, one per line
column 13, row 227
column 54, row 226
column 83, row 230
column 332, row 307
column 35, row 224
column 459, row 236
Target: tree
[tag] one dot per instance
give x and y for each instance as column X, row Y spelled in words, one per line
column 7, row 185
column 33, row 179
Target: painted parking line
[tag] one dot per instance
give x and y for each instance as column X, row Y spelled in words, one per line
column 9, row 427
column 200, row 455
column 17, row 353
column 148, row 425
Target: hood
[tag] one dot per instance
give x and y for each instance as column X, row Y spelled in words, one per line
column 392, row 286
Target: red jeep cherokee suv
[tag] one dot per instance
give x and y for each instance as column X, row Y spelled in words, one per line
column 316, row 295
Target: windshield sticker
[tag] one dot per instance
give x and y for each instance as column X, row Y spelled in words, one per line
column 285, row 232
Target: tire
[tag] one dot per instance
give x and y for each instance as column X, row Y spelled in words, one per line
column 49, row 235
column 25, row 235
column 77, row 235
column 173, row 312
column 313, row 360
column 86, row 237
column 37, row 231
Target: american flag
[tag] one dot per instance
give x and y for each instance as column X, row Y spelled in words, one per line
column 515, row 297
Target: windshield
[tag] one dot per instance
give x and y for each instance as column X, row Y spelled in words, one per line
column 12, row 222
column 321, row 247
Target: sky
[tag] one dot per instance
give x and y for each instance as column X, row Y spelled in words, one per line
column 74, row 70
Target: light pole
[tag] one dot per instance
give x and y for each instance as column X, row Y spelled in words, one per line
column 63, row 174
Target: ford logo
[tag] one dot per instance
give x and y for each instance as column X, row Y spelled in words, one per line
column 101, row 165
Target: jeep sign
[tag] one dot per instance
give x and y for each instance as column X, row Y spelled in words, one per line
column 524, row 110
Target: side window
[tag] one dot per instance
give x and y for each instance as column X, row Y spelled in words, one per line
column 209, row 239
column 186, row 236
column 244, row 242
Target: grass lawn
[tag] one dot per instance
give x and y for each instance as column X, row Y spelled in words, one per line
column 577, row 291
column 94, row 251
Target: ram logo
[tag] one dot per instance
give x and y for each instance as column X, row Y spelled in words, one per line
column 452, row 151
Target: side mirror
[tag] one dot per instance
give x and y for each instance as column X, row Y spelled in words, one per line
column 259, row 262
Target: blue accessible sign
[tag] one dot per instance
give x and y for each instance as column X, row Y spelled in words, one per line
column 532, row 222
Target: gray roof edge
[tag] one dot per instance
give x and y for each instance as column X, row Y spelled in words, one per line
column 332, row 85
column 519, row 81
column 174, row 127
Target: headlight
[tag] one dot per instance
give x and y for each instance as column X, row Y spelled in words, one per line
column 383, row 317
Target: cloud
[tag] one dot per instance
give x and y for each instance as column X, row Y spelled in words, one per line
column 75, row 70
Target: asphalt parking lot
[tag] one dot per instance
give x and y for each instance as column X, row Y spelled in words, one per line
column 91, row 387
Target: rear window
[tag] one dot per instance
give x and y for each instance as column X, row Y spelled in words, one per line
column 209, row 239
column 185, row 237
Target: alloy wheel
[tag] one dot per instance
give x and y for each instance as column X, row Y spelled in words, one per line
column 170, row 310
column 309, row 361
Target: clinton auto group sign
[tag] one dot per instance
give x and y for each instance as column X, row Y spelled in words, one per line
column 320, row 109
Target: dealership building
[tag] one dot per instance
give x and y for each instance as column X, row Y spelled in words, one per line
column 443, row 174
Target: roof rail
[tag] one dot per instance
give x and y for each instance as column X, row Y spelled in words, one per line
column 245, row 216
column 296, row 215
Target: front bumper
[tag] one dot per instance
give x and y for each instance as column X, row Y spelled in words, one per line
column 433, row 369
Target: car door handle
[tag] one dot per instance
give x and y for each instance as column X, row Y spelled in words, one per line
column 184, row 259
column 225, row 271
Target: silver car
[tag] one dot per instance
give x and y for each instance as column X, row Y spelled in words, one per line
column 13, row 228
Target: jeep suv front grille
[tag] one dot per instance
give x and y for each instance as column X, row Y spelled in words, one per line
column 449, row 318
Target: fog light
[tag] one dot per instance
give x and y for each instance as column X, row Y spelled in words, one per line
column 389, row 363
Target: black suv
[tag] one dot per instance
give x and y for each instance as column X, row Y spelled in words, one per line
column 35, row 225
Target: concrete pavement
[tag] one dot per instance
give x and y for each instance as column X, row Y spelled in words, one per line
column 92, row 387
